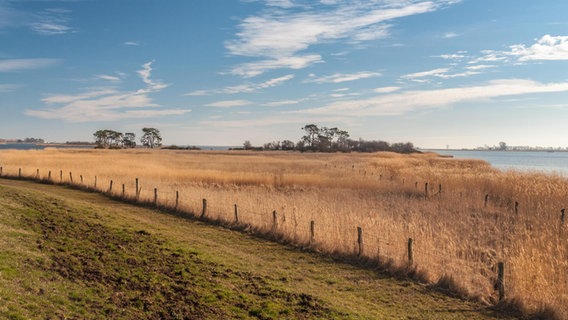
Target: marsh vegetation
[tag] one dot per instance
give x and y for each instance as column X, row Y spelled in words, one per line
column 464, row 216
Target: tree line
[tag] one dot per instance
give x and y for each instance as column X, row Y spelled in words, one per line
column 324, row 139
column 111, row 139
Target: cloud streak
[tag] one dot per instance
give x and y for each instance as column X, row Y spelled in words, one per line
column 404, row 102
column 11, row 65
column 244, row 88
column 52, row 22
column 229, row 103
column 107, row 104
column 344, row 77
column 279, row 37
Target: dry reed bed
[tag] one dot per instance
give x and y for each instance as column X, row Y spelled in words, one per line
column 456, row 234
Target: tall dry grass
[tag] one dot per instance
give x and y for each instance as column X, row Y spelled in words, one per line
column 456, row 234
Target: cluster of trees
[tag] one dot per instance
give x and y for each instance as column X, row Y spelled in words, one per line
column 30, row 140
column 324, row 139
column 110, row 139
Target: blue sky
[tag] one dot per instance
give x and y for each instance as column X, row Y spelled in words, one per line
column 462, row 73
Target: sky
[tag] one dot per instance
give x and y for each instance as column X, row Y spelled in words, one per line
column 438, row 73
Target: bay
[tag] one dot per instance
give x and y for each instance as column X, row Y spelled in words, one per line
column 539, row 161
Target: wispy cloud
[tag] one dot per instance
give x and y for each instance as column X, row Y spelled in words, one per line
column 229, row 103
column 132, row 43
column 424, row 74
column 244, row 88
column 7, row 87
column 449, row 35
column 108, row 78
column 9, row 65
column 386, row 89
column 343, row 77
column 404, row 102
column 52, row 22
column 442, row 73
column 253, row 69
column 283, row 103
column 279, row 37
column 107, row 104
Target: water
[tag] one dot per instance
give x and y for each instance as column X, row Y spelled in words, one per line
column 541, row 161
column 31, row 146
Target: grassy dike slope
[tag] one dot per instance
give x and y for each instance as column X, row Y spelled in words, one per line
column 68, row 254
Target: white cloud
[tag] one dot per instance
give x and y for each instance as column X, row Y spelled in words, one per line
column 253, row 69
column 229, row 103
column 546, row 48
column 441, row 73
column 344, row 77
column 386, row 89
column 424, row 74
column 132, row 43
column 8, row 65
column 244, row 88
column 455, row 56
column 404, row 102
column 107, row 104
column 52, row 22
column 449, row 35
column 480, row 67
column 279, row 37
column 108, row 78
column 145, row 75
column 283, row 103
column 280, row 3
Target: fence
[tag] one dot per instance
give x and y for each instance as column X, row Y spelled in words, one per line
column 400, row 253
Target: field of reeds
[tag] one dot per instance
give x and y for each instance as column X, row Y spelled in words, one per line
column 464, row 217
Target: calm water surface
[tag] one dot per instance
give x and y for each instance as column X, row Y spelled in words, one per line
column 30, row 146
column 548, row 162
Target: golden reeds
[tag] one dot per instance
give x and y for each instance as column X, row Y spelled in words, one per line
column 458, row 237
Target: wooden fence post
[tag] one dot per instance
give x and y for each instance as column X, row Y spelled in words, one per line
column 60, row 176
column 155, row 196
column 19, row 172
column 71, row 176
column 561, row 225
column 110, row 187
column 204, row 208
column 312, row 232
column 177, row 200
column 95, row 182
column 81, row 176
column 49, row 175
column 274, row 220
column 440, row 189
column 426, row 189
column 500, row 284
column 37, row 174
column 137, row 190
column 486, row 199
column 236, row 213
column 359, row 241
column 123, row 190
column 516, row 207
column 0, row 171
column 410, row 253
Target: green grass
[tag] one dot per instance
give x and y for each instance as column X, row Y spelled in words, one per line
column 72, row 254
